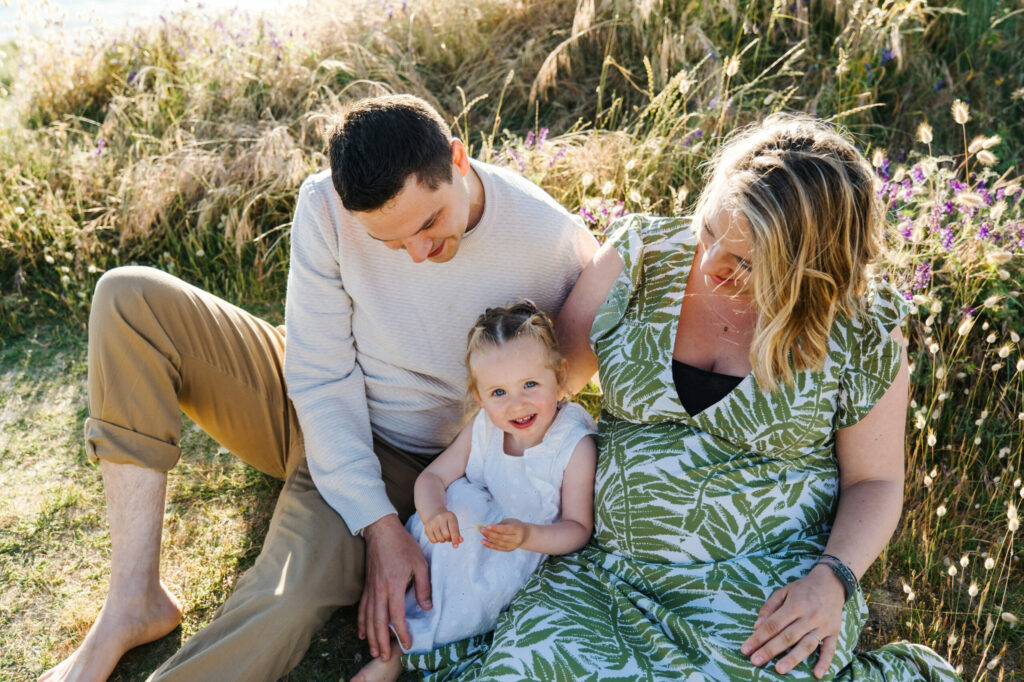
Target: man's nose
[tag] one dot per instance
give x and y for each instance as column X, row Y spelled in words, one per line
column 418, row 248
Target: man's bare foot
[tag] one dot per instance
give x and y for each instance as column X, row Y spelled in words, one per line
column 382, row 671
column 121, row 625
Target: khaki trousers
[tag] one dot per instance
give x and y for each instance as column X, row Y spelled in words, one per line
column 158, row 346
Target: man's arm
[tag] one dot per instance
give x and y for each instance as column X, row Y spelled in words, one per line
column 326, row 386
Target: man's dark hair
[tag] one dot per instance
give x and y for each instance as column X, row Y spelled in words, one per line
column 380, row 142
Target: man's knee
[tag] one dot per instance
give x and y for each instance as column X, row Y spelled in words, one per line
column 125, row 288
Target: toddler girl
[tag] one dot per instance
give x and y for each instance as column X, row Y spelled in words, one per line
column 516, row 484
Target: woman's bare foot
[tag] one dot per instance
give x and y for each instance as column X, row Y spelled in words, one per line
column 382, row 671
column 121, row 625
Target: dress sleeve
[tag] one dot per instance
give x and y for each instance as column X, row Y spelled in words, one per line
column 627, row 238
column 873, row 357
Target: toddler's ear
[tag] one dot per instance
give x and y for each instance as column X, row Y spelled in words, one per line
column 563, row 376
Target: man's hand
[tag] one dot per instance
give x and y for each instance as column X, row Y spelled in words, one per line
column 507, row 535
column 443, row 527
column 393, row 559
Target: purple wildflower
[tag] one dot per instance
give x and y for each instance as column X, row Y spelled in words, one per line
column 691, row 137
column 917, row 173
column 559, row 155
column 883, row 170
column 947, row 238
column 887, row 56
column 541, row 137
column 519, row 161
column 100, row 145
column 939, row 84
column 587, row 215
column 985, row 231
column 529, row 140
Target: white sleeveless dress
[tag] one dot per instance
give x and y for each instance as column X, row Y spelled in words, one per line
column 471, row 584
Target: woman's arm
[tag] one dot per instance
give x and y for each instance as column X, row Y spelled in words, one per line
column 440, row 524
column 573, row 531
column 809, row 610
column 577, row 315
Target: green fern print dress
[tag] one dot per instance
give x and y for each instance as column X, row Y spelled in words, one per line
column 698, row 518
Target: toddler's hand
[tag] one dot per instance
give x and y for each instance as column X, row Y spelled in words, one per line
column 443, row 527
column 507, row 535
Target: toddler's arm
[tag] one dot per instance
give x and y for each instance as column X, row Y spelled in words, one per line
column 573, row 531
column 429, row 492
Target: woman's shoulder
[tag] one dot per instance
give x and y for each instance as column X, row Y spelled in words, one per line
column 880, row 310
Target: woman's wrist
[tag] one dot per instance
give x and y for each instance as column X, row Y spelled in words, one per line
column 841, row 574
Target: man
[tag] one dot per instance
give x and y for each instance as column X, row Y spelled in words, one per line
column 375, row 382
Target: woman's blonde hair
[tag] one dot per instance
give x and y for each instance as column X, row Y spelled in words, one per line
column 500, row 325
column 815, row 223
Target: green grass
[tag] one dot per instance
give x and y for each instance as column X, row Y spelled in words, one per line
column 182, row 146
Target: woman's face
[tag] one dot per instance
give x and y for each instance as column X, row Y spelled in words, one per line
column 726, row 252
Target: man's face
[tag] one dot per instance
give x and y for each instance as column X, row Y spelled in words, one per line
column 428, row 224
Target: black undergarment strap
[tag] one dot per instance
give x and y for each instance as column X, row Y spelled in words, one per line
column 699, row 389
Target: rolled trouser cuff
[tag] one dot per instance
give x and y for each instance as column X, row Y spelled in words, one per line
column 113, row 443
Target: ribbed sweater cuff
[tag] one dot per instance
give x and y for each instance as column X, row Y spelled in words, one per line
column 369, row 511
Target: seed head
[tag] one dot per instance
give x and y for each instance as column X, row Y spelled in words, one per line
column 961, row 113
column 987, row 158
column 732, row 66
column 973, row 590
column 924, row 133
column 998, row 257
column 990, row 563
column 940, row 511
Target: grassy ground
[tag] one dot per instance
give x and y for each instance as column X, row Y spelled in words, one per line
column 181, row 146
column 54, row 546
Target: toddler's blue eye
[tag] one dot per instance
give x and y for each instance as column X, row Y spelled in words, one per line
column 498, row 392
column 530, row 384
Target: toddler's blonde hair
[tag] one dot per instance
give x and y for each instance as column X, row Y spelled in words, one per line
column 500, row 325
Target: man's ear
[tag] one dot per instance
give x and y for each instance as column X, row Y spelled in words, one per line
column 460, row 157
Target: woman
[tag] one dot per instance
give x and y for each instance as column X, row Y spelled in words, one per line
column 751, row 437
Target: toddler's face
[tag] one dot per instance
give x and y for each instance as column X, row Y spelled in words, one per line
column 518, row 389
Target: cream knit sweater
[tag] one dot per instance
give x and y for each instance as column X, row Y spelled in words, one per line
column 376, row 342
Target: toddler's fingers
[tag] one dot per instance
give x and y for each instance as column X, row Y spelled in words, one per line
column 453, row 531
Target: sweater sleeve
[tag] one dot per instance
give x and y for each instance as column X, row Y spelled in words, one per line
column 325, row 383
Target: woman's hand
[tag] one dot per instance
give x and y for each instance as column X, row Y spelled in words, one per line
column 803, row 615
column 443, row 527
column 507, row 535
